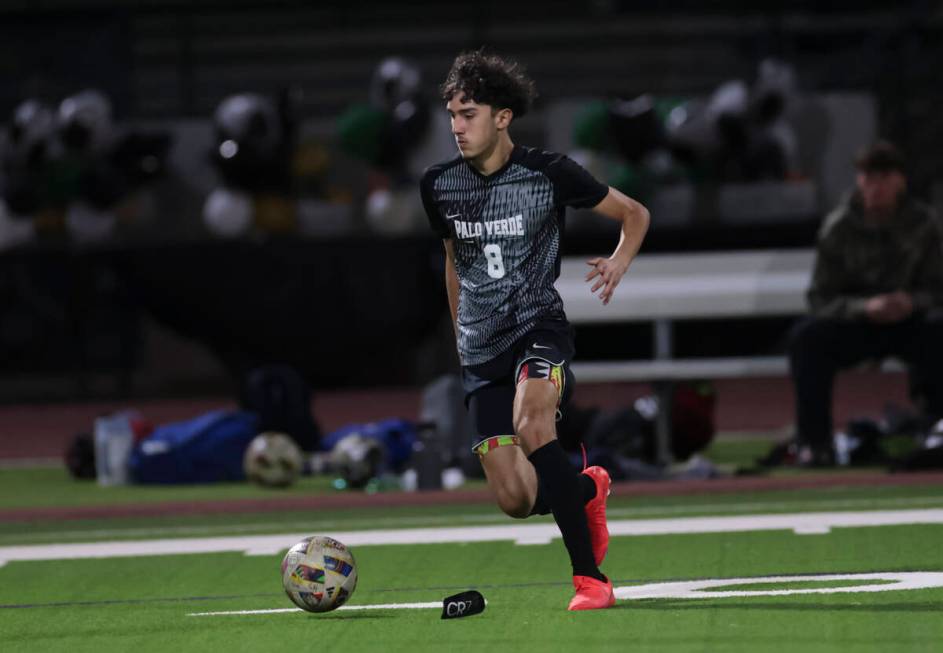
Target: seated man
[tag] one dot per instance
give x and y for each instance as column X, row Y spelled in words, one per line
column 877, row 291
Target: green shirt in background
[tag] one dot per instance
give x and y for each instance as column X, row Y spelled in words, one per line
column 857, row 259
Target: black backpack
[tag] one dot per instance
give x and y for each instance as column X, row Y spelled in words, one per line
column 282, row 399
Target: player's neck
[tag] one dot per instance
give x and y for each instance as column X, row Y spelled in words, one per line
column 494, row 158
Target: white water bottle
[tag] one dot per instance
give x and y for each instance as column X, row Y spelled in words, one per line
column 114, row 440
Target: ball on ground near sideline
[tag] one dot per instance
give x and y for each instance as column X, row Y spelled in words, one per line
column 273, row 460
column 319, row 574
column 357, row 459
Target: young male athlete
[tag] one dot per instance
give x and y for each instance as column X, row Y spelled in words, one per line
column 500, row 207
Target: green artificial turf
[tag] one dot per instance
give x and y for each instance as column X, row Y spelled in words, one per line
column 738, row 452
column 141, row 603
column 46, row 488
column 52, row 487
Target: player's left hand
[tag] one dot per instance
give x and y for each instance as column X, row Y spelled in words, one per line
column 608, row 273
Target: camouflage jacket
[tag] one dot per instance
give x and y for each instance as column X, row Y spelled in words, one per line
column 856, row 260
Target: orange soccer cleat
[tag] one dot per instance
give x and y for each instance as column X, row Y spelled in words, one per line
column 596, row 512
column 591, row 594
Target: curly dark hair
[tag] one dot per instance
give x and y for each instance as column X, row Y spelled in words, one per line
column 490, row 79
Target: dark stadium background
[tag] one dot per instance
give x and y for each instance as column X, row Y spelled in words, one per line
column 160, row 316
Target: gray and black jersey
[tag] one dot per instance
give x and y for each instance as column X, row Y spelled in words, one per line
column 506, row 229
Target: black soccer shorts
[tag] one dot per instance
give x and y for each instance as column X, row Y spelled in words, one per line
column 545, row 352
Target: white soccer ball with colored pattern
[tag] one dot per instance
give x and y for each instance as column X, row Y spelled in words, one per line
column 273, row 460
column 319, row 574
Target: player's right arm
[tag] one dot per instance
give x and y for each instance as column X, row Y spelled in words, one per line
column 451, row 281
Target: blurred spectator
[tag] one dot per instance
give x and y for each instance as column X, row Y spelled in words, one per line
column 877, row 291
column 25, row 157
column 276, row 176
column 677, row 152
column 397, row 133
column 252, row 153
column 773, row 151
column 73, row 173
column 740, row 133
column 623, row 142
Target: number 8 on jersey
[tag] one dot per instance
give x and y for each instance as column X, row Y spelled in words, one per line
column 495, row 262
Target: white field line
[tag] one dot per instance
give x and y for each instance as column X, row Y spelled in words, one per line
column 800, row 523
column 696, row 589
column 701, row 589
column 492, row 517
column 377, row 606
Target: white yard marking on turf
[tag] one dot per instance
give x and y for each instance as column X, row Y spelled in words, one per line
column 237, row 612
column 695, row 589
column 699, row 589
column 492, row 517
column 820, row 522
column 378, row 606
column 812, row 529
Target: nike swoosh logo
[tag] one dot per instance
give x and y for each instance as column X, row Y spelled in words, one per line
column 449, row 217
column 536, row 346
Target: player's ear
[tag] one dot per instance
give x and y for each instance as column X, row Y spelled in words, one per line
column 502, row 118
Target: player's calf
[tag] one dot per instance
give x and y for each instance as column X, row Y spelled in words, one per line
column 511, row 478
column 514, row 499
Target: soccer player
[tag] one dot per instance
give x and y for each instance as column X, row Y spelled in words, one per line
column 499, row 207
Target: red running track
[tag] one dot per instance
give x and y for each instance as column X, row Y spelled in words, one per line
column 353, row 500
column 43, row 430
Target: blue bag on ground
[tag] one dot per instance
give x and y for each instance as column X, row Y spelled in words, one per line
column 398, row 436
column 281, row 398
column 206, row 449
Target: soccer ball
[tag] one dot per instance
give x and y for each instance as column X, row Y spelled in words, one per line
column 272, row 459
column 357, row 459
column 319, row 574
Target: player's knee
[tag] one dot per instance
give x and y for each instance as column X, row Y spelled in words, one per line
column 534, row 422
column 524, row 424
